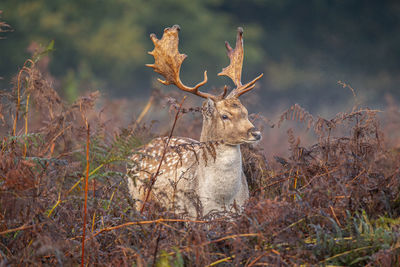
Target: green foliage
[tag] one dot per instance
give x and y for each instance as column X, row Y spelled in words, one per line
column 43, row 51
column 35, row 139
column 355, row 243
column 166, row 260
column 71, row 86
column 108, row 158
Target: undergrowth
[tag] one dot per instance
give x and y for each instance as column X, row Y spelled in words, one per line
column 333, row 203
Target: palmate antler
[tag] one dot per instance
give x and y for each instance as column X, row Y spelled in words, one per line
column 234, row 70
column 168, row 63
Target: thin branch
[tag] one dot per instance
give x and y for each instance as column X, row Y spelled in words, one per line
column 23, row 227
column 143, row 223
column 153, row 178
column 86, row 194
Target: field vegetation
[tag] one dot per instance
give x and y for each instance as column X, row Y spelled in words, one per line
column 333, row 201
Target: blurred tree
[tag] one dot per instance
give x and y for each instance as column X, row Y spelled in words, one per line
column 310, row 45
column 109, row 39
column 304, row 48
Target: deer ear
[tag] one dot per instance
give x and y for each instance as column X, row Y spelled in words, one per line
column 208, row 108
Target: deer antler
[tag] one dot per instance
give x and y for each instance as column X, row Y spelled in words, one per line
column 234, row 70
column 168, row 62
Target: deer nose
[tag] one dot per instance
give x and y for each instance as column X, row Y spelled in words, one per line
column 255, row 133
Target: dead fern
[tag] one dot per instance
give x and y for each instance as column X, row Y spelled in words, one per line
column 297, row 113
column 334, row 202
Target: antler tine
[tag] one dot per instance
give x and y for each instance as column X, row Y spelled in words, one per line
column 234, row 70
column 168, row 62
column 245, row 88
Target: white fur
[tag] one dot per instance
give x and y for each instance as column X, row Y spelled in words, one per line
column 220, row 181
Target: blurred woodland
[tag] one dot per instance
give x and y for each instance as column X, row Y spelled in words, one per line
column 324, row 190
column 304, row 49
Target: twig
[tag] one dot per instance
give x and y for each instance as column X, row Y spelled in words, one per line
column 328, row 172
column 290, row 226
column 55, row 137
column 344, row 85
column 93, row 172
column 26, row 123
column 144, row 222
column 257, row 259
column 334, row 216
column 26, row 70
column 153, row 178
column 18, row 102
column 221, row 260
column 93, row 220
column 59, row 201
column 344, row 253
column 295, row 182
column 23, row 227
column 358, row 175
column 144, row 112
column 55, row 205
column 156, row 248
column 86, row 194
column 225, row 238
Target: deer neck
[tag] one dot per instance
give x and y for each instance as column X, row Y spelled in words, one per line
column 226, row 156
column 219, row 177
column 205, row 135
column 219, row 174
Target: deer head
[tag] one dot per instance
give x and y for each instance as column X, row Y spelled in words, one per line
column 224, row 117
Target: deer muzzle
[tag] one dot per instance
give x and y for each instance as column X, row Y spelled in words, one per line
column 255, row 133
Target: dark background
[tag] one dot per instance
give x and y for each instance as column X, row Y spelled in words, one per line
column 303, row 47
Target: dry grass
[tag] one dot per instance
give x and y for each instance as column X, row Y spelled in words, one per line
column 335, row 202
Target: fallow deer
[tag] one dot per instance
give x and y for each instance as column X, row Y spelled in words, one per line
column 197, row 176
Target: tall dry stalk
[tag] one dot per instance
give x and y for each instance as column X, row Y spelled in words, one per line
column 86, row 193
column 26, row 122
column 153, row 178
column 26, row 70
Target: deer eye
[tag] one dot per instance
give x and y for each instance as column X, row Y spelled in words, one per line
column 224, row 117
